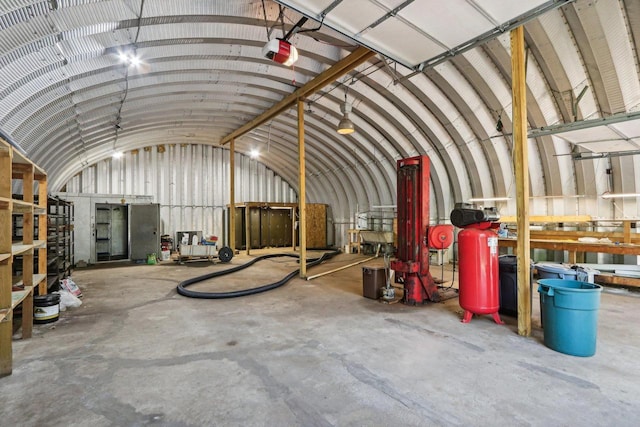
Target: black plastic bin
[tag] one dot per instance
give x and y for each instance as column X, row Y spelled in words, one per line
column 508, row 265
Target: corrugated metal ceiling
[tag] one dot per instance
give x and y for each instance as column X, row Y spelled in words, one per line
column 63, row 88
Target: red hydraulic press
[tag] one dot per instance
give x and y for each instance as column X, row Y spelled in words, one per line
column 414, row 237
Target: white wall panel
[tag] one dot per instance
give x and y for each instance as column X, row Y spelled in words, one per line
column 190, row 182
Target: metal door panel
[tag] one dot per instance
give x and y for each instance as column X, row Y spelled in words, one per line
column 145, row 230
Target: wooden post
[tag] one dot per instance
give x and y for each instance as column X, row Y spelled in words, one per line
column 302, row 203
column 27, row 227
column 247, row 227
column 626, row 232
column 6, row 317
column 232, row 196
column 521, row 166
column 42, row 234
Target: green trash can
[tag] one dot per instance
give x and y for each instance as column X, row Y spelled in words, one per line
column 569, row 310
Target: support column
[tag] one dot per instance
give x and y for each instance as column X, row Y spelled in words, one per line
column 302, row 202
column 232, row 195
column 247, row 228
column 521, row 166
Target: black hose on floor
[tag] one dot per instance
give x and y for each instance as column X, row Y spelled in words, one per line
column 244, row 292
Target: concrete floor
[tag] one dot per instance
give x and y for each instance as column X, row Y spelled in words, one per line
column 308, row 354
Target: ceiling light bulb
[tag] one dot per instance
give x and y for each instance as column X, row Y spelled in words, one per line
column 134, row 60
column 254, row 154
column 345, row 126
column 117, row 154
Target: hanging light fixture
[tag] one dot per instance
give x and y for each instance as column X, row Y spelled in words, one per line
column 345, row 126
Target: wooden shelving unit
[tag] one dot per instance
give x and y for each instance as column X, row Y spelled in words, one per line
column 30, row 277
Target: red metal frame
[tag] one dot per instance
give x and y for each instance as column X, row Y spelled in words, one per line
column 412, row 259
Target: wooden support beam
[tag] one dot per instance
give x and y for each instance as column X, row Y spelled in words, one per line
column 232, row 196
column 521, row 166
column 247, row 229
column 610, row 279
column 303, row 192
column 626, row 232
column 568, row 245
column 42, row 234
column 550, row 219
column 359, row 56
column 27, row 226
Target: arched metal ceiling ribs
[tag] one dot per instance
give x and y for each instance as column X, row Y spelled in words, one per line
column 115, row 101
column 632, row 14
column 59, row 110
column 492, row 92
column 438, row 142
column 381, row 105
column 461, row 127
column 593, row 38
column 542, row 150
column 373, row 153
column 332, row 155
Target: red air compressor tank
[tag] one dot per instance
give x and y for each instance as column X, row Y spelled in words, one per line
column 479, row 288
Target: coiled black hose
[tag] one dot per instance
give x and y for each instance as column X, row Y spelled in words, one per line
column 244, row 292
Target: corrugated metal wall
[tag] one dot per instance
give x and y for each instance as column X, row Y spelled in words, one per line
column 190, row 182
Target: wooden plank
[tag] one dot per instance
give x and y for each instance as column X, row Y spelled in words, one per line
column 610, row 279
column 302, row 195
column 626, row 232
column 20, row 248
column 566, row 245
column 21, row 206
column 550, row 219
column 521, row 166
column 247, row 229
column 4, row 257
column 359, row 56
column 6, row 203
column 614, row 236
column 18, row 296
column 27, row 315
column 316, row 225
column 41, row 210
column 38, row 279
column 6, row 346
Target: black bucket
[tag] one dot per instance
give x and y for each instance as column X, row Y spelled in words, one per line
column 46, row 308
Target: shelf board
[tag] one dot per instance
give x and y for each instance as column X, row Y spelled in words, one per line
column 5, row 203
column 4, row 313
column 20, row 206
column 18, row 280
column 39, row 210
column 4, row 257
column 19, row 248
column 39, row 244
column 39, row 278
column 18, row 296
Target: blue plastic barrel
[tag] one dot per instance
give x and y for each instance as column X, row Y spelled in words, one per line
column 569, row 310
